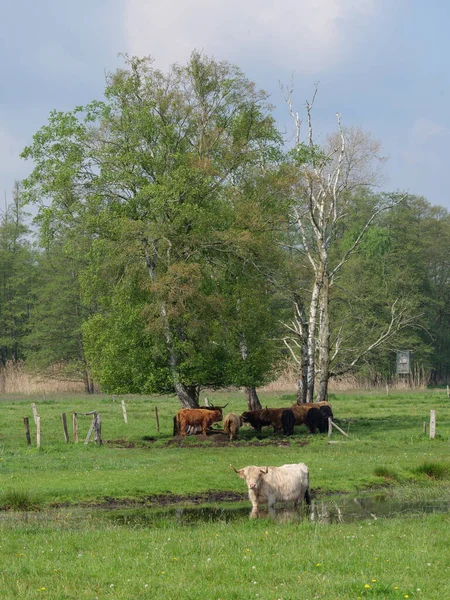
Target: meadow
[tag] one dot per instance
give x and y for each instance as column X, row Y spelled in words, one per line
column 86, row 521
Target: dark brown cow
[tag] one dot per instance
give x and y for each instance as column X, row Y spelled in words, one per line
column 288, row 421
column 274, row 416
column 253, row 418
column 301, row 410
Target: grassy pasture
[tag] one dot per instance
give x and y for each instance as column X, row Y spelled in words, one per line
column 53, row 553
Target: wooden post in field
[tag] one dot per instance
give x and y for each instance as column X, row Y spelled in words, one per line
column 338, row 428
column 38, row 432
column 64, row 424
column 75, row 427
column 34, row 409
column 330, row 426
column 91, row 429
column 432, row 424
column 425, row 428
column 26, row 423
column 124, row 410
column 157, row 419
column 387, row 389
column 98, row 429
column 207, row 404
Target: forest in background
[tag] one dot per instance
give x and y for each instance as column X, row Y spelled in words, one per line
column 182, row 242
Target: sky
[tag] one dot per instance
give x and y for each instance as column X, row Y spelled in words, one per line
column 381, row 64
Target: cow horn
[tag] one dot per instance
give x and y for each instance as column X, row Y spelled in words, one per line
column 222, row 407
column 234, row 469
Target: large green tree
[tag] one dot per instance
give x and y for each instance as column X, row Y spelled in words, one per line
column 17, row 273
column 54, row 344
column 150, row 177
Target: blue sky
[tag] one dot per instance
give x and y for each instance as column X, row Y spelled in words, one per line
column 383, row 65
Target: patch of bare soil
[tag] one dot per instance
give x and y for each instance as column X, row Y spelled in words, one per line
column 161, row 500
column 217, row 438
column 222, row 440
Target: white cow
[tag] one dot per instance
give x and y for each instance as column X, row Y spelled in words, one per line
column 275, row 484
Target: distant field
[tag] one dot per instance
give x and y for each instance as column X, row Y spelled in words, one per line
column 98, row 557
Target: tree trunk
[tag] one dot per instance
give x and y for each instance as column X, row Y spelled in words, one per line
column 324, row 342
column 303, row 379
column 311, row 347
column 252, row 398
column 86, row 381
column 188, row 394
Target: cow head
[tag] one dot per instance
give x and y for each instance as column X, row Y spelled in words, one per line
column 252, row 475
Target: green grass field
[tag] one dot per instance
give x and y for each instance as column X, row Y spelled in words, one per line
column 94, row 527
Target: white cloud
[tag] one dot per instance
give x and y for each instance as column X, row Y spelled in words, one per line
column 305, row 35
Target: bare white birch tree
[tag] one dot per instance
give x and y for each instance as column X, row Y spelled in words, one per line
column 326, row 178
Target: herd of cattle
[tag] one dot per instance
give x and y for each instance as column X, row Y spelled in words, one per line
column 283, row 420
column 266, row 485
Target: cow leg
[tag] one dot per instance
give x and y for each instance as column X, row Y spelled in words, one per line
column 255, row 511
column 308, row 497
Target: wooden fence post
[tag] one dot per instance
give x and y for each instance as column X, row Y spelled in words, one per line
column 91, row 429
column 432, row 424
column 38, row 432
column 339, row 429
column 387, row 389
column 157, row 419
column 98, row 429
column 330, row 426
column 124, row 410
column 425, row 427
column 64, row 424
column 34, row 409
column 75, row 427
column 26, row 422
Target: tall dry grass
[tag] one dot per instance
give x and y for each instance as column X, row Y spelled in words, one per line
column 287, row 381
column 15, row 379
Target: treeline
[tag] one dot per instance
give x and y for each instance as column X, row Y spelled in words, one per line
column 180, row 242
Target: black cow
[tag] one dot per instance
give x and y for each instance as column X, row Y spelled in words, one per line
column 288, row 422
column 327, row 412
column 315, row 420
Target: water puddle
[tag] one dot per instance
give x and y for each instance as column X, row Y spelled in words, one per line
column 337, row 510
column 334, row 509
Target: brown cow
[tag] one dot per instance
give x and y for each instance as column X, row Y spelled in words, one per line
column 231, row 424
column 273, row 415
column 301, row 410
column 195, row 418
column 253, row 418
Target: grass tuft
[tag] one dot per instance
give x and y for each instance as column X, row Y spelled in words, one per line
column 434, row 470
column 388, row 474
column 18, row 500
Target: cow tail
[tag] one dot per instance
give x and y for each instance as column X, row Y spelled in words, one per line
column 176, row 426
